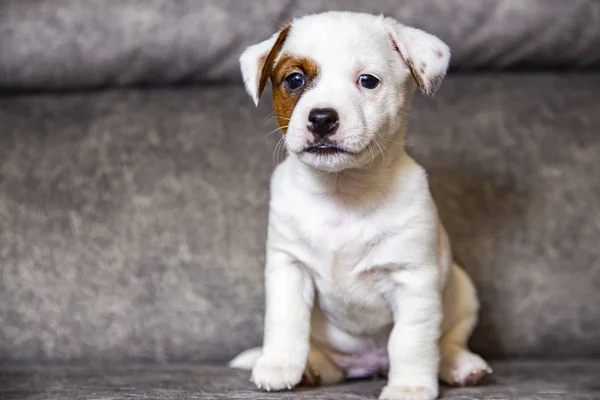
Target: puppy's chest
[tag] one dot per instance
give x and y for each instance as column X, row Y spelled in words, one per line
column 341, row 251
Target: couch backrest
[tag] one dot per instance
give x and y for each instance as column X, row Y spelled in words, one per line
column 132, row 223
column 73, row 44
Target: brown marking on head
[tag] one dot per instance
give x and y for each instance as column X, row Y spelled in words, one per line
column 284, row 100
column 261, row 65
column 418, row 78
column 409, row 64
column 266, row 62
column 396, row 48
column 418, row 75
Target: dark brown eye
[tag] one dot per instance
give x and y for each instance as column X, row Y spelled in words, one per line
column 294, row 81
column 368, row 81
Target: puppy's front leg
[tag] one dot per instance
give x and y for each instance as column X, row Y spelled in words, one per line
column 413, row 342
column 289, row 300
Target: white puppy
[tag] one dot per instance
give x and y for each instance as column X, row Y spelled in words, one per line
column 359, row 273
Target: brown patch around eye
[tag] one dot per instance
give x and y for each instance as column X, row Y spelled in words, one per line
column 285, row 100
column 439, row 54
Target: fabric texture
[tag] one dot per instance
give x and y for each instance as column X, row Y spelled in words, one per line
column 133, row 222
column 515, row 380
column 74, row 44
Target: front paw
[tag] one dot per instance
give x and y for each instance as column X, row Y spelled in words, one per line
column 398, row 392
column 277, row 373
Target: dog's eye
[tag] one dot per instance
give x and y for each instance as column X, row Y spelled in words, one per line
column 368, row 81
column 294, row 81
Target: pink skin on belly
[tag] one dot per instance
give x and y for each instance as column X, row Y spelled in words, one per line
column 368, row 363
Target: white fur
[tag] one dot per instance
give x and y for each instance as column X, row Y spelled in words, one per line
column 250, row 66
column 359, row 274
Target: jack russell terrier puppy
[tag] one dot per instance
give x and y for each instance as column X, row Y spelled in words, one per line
column 359, row 273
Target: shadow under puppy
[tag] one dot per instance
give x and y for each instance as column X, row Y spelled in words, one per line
column 359, row 273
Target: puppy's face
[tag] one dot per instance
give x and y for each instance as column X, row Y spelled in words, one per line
column 341, row 83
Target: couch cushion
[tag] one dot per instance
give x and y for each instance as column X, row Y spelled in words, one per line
column 541, row 380
column 67, row 44
column 132, row 223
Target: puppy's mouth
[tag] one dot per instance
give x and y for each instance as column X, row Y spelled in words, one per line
column 322, row 148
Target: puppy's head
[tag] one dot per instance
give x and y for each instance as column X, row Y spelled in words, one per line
column 342, row 82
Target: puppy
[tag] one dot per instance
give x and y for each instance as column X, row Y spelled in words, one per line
column 359, row 274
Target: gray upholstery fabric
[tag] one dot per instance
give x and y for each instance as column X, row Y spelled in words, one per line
column 132, row 223
column 66, row 44
column 514, row 380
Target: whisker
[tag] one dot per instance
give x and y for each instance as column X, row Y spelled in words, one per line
column 380, row 148
column 275, row 151
column 271, row 117
column 407, row 113
column 380, row 137
column 277, row 129
column 279, row 148
column 370, row 147
column 283, row 152
column 398, row 142
column 267, row 118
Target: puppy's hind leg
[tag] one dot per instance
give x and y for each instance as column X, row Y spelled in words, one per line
column 458, row 365
column 320, row 370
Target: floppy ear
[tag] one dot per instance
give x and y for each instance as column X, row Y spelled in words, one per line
column 426, row 56
column 257, row 61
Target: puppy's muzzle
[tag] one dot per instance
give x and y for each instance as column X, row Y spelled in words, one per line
column 323, row 122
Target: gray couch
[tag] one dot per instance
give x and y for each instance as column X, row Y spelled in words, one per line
column 134, row 186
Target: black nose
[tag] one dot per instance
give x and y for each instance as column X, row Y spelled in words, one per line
column 323, row 121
